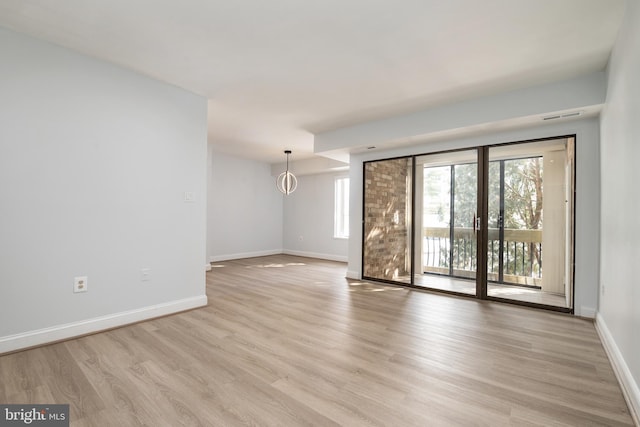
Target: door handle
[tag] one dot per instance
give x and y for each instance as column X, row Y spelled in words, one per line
column 476, row 223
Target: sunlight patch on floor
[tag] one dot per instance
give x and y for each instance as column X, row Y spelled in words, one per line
column 356, row 286
column 289, row 264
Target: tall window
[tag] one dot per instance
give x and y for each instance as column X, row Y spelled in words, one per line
column 341, row 215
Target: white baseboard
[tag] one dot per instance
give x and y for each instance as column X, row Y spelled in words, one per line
column 61, row 332
column 629, row 387
column 227, row 257
column 352, row 274
column 207, row 267
column 329, row 257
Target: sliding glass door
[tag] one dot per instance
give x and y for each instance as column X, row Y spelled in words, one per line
column 446, row 238
column 531, row 222
column 423, row 224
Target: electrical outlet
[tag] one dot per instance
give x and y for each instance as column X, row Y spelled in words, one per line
column 301, row 238
column 189, row 196
column 80, row 284
column 145, row 274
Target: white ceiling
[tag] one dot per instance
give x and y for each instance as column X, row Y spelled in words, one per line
column 277, row 71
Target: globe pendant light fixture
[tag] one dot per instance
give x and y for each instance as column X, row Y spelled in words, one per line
column 287, row 182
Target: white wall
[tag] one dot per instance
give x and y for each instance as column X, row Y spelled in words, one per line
column 619, row 310
column 579, row 93
column 94, row 162
column 244, row 217
column 587, row 197
column 308, row 219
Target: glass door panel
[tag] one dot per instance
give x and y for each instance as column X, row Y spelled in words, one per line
column 436, row 220
column 445, row 236
column 530, row 207
column 465, row 203
column 387, row 220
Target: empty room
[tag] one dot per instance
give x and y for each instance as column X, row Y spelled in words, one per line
column 287, row 213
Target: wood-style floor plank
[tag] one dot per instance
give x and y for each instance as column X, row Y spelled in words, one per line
column 288, row 341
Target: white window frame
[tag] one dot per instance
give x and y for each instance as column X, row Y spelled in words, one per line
column 341, row 208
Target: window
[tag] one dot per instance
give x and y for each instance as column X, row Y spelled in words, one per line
column 341, row 215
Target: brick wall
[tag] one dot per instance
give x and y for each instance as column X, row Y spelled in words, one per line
column 387, row 194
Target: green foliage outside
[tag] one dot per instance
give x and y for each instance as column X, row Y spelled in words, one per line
column 523, row 189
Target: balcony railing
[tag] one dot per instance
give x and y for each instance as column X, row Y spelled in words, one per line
column 522, row 254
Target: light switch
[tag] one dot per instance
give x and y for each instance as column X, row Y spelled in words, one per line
column 189, row 196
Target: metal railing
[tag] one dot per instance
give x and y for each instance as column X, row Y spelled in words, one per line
column 521, row 254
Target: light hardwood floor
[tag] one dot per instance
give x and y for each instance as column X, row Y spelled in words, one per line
column 288, row 341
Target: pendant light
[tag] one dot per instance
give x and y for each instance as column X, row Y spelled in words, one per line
column 287, row 182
